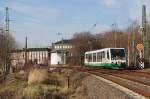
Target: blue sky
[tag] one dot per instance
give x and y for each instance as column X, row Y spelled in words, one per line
column 42, row 20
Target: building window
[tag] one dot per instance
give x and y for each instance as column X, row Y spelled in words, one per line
column 66, row 46
column 60, row 47
column 56, row 47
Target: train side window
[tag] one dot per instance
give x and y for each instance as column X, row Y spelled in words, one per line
column 90, row 57
column 103, row 54
column 87, row 57
column 108, row 55
column 99, row 58
column 94, row 57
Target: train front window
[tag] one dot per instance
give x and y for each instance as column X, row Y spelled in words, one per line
column 117, row 54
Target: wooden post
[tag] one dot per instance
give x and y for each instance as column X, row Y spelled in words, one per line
column 68, row 80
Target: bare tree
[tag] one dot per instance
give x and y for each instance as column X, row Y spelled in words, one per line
column 84, row 41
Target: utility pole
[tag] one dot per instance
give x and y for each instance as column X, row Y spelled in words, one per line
column 144, row 33
column 26, row 51
column 7, row 57
column 7, row 20
column 145, row 53
column 2, row 54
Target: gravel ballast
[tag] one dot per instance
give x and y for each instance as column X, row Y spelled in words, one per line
column 93, row 87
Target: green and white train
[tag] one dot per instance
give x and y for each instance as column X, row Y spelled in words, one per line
column 113, row 58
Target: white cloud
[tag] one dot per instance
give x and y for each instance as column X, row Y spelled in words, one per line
column 109, row 2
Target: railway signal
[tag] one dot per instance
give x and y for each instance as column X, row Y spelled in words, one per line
column 139, row 58
column 144, row 35
column 140, row 46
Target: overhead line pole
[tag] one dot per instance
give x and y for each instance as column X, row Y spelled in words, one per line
column 2, row 50
column 145, row 53
column 7, row 57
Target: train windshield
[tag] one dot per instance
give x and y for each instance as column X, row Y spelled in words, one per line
column 117, row 54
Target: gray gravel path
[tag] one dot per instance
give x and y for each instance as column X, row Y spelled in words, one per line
column 97, row 89
column 91, row 87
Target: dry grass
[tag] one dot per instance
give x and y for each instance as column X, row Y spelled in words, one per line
column 12, row 86
column 45, row 85
column 32, row 90
column 37, row 76
column 35, row 84
column 41, row 90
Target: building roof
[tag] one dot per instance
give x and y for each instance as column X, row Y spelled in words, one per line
column 64, row 42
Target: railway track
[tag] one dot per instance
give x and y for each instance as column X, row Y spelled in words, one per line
column 137, row 81
column 125, row 79
column 135, row 76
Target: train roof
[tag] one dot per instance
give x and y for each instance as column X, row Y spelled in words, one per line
column 102, row 50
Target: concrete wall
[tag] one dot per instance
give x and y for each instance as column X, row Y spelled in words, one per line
column 56, row 58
